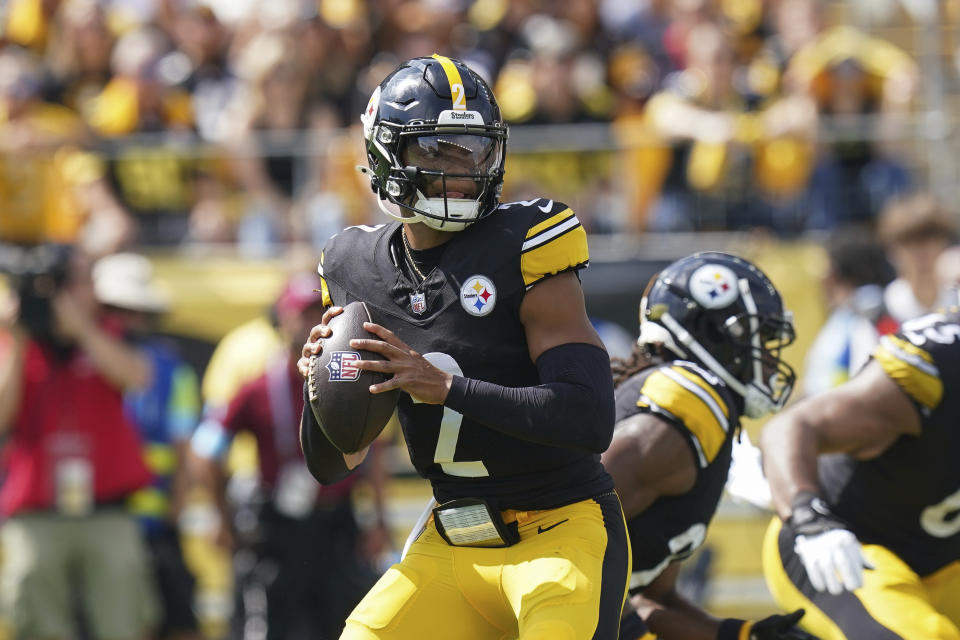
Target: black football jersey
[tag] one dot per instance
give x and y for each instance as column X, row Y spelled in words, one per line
column 705, row 411
column 464, row 318
column 908, row 498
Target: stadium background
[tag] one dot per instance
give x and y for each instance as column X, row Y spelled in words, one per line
column 219, row 137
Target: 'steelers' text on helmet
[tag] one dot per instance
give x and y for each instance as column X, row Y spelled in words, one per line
column 724, row 313
column 436, row 144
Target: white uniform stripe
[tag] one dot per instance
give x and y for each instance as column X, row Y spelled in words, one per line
column 700, row 393
column 550, row 234
column 911, row 359
column 643, row 578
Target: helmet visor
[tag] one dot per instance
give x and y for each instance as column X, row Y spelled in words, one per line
column 453, row 154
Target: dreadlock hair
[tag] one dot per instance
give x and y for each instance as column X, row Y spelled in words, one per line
column 643, row 356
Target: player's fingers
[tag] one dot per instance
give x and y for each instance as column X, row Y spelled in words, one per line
column 386, row 335
column 815, row 574
column 384, row 366
column 791, row 619
column 847, row 561
column 831, row 578
column 312, row 348
column 387, row 385
column 330, row 313
column 378, row 346
column 303, row 366
column 319, row 331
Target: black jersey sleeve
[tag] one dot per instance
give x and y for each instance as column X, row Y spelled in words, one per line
column 324, row 460
column 345, row 254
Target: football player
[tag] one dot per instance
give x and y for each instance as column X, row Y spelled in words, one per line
column 887, row 501
column 712, row 327
column 508, row 395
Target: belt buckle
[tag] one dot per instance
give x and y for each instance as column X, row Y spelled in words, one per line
column 471, row 522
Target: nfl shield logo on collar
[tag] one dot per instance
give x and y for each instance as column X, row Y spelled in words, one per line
column 418, row 302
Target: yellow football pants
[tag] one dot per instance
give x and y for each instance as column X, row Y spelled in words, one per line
column 893, row 603
column 565, row 580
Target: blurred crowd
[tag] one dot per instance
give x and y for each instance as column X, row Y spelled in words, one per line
column 176, row 122
column 127, row 124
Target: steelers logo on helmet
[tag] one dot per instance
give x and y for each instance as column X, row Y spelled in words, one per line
column 714, row 286
column 478, row 296
column 369, row 116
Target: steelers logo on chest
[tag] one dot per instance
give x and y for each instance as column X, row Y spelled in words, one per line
column 478, row 296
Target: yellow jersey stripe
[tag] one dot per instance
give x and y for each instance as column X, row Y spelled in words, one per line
column 325, row 293
column 549, row 222
column 690, row 409
column 705, row 398
column 324, row 290
column 703, row 384
column 911, row 349
column 559, row 253
column 913, row 374
column 456, row 82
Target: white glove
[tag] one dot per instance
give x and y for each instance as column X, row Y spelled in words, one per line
column 833, row 559
column 830, row 552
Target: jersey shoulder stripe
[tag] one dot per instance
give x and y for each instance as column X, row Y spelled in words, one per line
column 687, row 399
column 555, row 242
column 912, row 368
column 324, row 289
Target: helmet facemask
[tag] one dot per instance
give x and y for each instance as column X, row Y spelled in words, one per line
column 448, row 178
column 737, row 342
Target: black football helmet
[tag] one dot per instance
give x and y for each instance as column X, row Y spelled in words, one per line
column 722, row 312
column 436, row 144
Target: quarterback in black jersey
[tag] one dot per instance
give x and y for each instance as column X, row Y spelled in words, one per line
column 507, row 397
column 712, row 329
column 887, row 500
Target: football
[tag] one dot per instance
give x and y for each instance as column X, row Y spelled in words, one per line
column 348, row 414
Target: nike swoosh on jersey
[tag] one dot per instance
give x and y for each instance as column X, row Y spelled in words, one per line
column 555, row 524
column 546, row 208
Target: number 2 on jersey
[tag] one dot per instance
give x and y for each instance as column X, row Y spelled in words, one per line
column 450, row 428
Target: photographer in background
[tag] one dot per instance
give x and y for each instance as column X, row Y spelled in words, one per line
column 71, row 459
column 165, row 414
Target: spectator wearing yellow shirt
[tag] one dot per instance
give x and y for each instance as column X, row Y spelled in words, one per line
column 863, row 87
column 711, row 167
column 154, row 181
column 51, row 190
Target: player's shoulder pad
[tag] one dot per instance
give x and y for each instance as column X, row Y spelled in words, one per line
column 343, row 251
column 923, row 356
column 554, row 241
column 693, row 398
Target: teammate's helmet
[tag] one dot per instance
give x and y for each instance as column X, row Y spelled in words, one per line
column 724, row 313
column 435, row 144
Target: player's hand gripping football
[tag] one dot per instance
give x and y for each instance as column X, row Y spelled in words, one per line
column 829, row 551
column 411, row 371
column 778, row 627
column 314, row 344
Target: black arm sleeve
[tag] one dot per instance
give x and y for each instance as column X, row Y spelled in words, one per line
column 572, row 408
column 324, row 460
